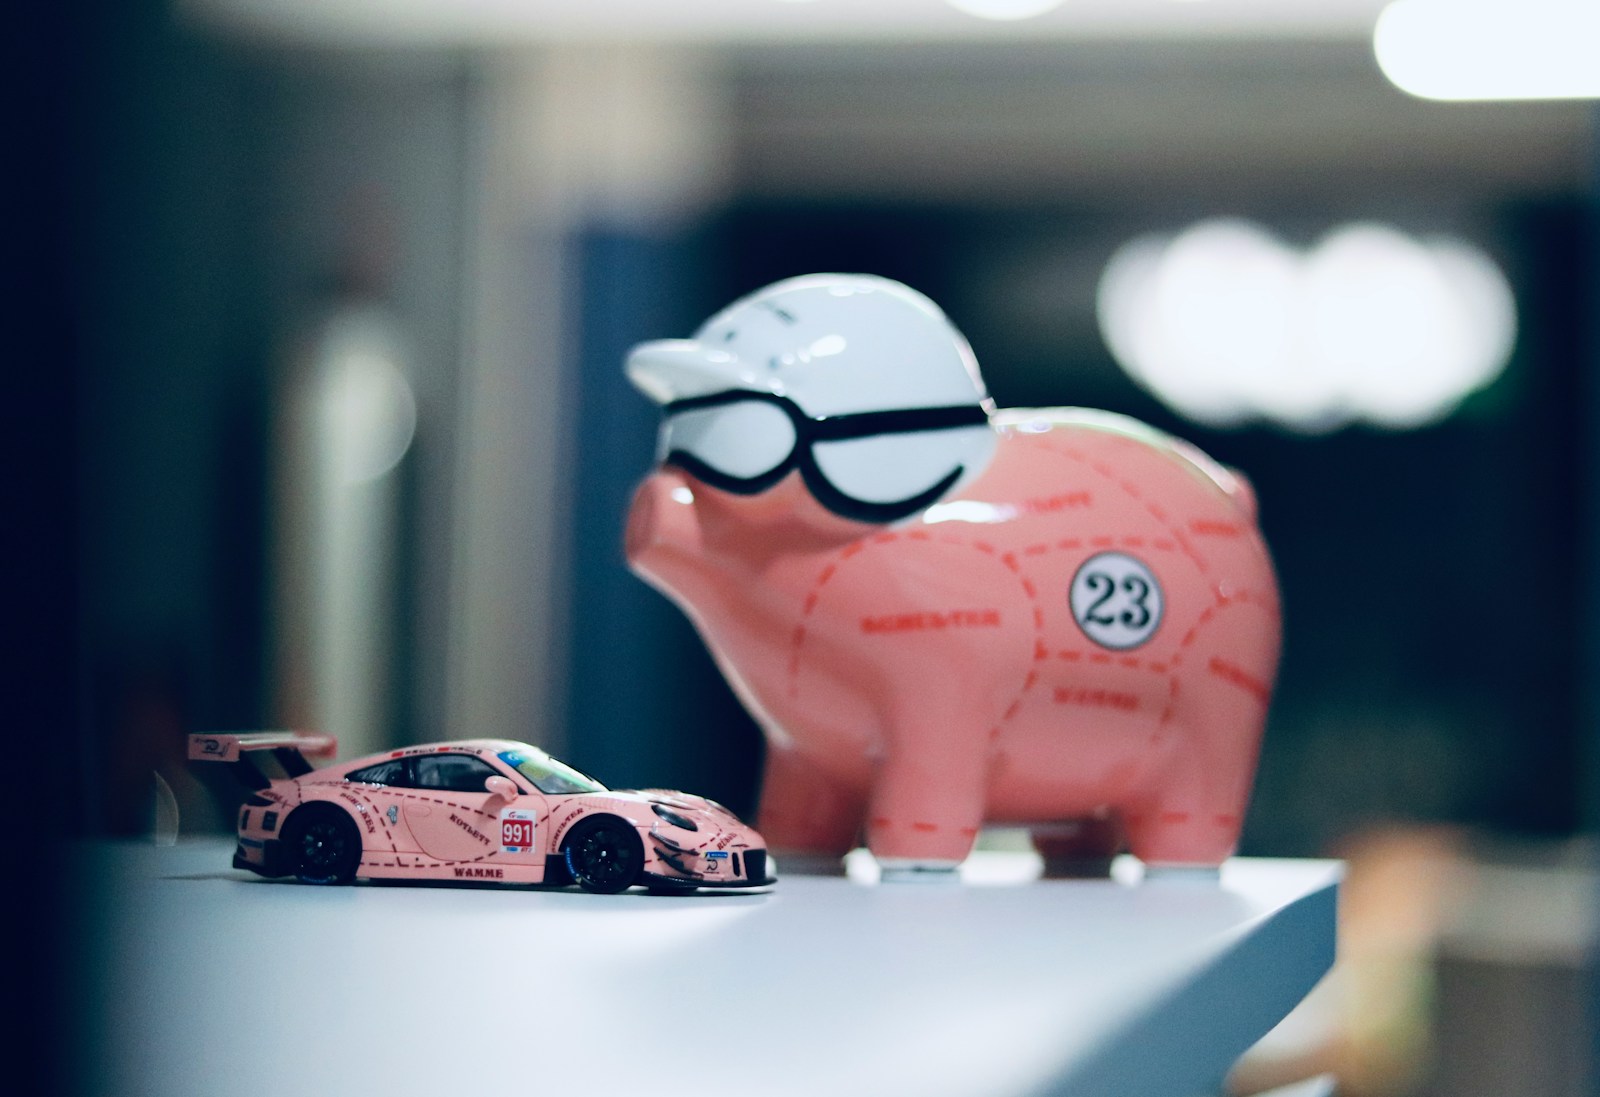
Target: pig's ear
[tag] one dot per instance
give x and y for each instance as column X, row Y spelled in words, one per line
column 890, row 476
column 676, row 369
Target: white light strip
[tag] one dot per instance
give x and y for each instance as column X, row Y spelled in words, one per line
column 1004, row 9
column 509, row 22
column 1491, row 49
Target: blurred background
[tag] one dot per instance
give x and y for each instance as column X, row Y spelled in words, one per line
column 340, row 293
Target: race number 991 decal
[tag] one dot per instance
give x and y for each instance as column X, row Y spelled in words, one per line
column 1116, row 600
column 516, row 830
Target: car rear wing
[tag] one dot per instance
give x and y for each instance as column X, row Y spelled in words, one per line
column 290, row 749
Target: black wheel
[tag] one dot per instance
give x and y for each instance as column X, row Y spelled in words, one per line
column 323, row 845
column 604, row 855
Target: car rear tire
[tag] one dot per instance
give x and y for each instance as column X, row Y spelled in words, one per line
column 604, row 855
column 323, row 845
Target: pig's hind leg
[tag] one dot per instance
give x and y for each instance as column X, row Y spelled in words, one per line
column 1192, row 810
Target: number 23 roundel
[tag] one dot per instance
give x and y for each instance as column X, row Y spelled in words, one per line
column 1116, row 600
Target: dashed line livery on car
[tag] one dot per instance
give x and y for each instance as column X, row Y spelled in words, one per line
column 474, row 809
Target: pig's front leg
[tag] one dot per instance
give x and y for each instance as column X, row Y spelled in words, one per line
column 809, row 818
column 927, row 801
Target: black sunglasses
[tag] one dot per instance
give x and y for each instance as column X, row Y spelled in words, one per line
column 808, row 431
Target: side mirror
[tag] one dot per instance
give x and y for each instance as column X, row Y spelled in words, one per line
column 501, row 788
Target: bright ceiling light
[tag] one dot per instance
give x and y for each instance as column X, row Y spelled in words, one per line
column 1491, row 49
column 1226, row 324
column 1005, row 9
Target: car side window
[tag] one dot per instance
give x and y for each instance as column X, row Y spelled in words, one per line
column 391, row 772
column 451, row 772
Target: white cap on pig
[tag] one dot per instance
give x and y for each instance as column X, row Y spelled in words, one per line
column 834, row 346
column 833, row 343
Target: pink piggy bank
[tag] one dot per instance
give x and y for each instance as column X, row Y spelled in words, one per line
column 944, row 615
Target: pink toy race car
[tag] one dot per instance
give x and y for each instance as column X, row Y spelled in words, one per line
column 477, row 809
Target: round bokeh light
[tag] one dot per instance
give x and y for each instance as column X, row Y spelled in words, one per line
column 1227, row 324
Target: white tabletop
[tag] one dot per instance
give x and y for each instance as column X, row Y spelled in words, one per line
column 212, row 982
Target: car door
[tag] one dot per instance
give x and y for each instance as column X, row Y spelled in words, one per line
column 444, row 806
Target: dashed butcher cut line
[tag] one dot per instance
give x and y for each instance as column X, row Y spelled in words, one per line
column 420, row 855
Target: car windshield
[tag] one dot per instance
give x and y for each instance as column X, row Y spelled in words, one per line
column 548, row 775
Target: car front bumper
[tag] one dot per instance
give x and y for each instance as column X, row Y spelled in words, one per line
column 744, row 869
column 656, row 879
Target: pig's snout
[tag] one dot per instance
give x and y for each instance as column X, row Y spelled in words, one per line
column 662, row 524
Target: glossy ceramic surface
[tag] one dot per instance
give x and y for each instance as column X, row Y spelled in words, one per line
column 1055, row 617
